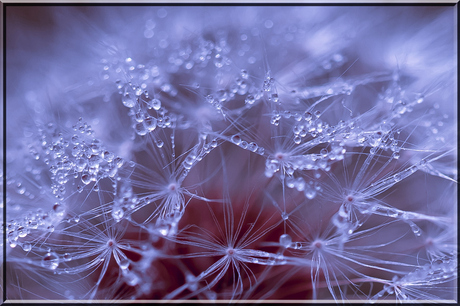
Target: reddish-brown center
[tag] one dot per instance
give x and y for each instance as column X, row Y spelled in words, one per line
column 279, row 156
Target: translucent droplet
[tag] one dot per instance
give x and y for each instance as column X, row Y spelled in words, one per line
column 159, row 143
column 21, row 189
column 140, row 129
column 124, row 264
column 50, row 261
column 67, row 257
column 22, row 232
column 117, row 213
column 108, row 156
column 139, row 116
column 189, row 65
column 236, row 139
column 297, row 139
column 59, row 209
column 274, row 97
column 253, row 146
column 392, row 213
column 310, row 193
column 26, row 247
column 261, row 151
column 150, row 123
column 86, row 179
column 285, row 241
column 155, row 104
column 420, row 99
column 285, row 216
column 422, row 163
column 131, row 279
column 250, row 100
column 400, row 108
column 415, row 229
column 128, row 101
column 219, row 60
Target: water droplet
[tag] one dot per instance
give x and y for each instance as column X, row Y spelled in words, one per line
column 253, row 146
column 260, row 150
column 415, row 229
column 50, row 261
column 285, row 241
column 86, row 179
column 308, row 116
column 59, row 209
column 310, row 193
column 108, row 156
column 392, row 213
column 80, row 164
column 140, row 129
column 128, row 101
column 236, row 139
column 189, row 65
column 250, row 100
column 150, row 123
column 67, row 257
column 400, row 108
column 297, row 139
column 124, row 264
column 139, row 116
column 155, row 104
column 219, row 60
column 131, row 279
column 21, row 189
column 117, row 213
column 26, row 247
column 159, row 143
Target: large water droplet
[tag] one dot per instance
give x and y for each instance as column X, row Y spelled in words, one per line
column 128, row 101
column 140, row 129
column 117, row 213
column 285, row 241
column 50, row 261
column 27, row 247
column 250, row 99
column 236, row 139
column 155, row 104
column 124, row 264
column 150, row 123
